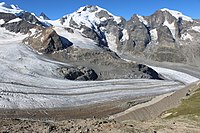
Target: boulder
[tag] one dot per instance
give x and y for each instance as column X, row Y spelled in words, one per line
column 78, row 73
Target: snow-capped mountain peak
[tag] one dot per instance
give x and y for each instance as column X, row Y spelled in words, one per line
column 5, row 8
column 88, row 8
column 177, row 14
column 89, row 16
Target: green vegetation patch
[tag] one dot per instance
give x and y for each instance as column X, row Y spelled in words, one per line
column 189, row 106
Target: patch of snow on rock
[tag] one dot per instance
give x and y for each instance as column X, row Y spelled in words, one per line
column 2, row 21
column 154, row 34
column 125, row 35
column 111, row 42
column 177, row 14
column 117, row 19
column 142, row 20
column 15, row 20
column 171, row 27
column 186, row 36
column 196, row 28
column 76, row 38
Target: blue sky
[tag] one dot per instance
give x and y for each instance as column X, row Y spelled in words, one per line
column 55, row 9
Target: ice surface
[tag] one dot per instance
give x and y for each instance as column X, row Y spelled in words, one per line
column 175, row 75
column 28, row 80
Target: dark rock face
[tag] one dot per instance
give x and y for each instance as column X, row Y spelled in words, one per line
column 90, row 33
column 30, row 18
column 21, row 26
column 148, row 72
column 73, row 24
column 102, row 14
column 158, row 18
column 106, row 64
column 44, row 16
column 165, row 35
column 70, row 30
column 7, row 16
column 27, row 22
column 47, row 41
column 78, row 73
column 138, row 34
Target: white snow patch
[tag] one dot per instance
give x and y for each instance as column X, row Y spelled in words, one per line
column 175, row 75
column 125, row 35
column 196, row 28
column 186, row 36
column 117, row 19
column 53, row 22
column 141, row 19
column 171, row 27
column 154, row 34
column 42, row 39
column 111, row 42
column 15, row 20
column 9, row 8
column 177, row 14
column 103, row 19
column 2, row 21
column 32, row 31
column 14, row 7
column 77, row 39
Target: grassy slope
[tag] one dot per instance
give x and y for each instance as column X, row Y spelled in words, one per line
column 189, row 106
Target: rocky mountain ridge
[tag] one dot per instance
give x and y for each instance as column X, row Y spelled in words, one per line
column 166, row 35
column 70, row 40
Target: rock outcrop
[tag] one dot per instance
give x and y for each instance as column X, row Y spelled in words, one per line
column 78, row 73
column 47, row 41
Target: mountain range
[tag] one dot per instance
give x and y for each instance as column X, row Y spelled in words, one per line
column 166, row 35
